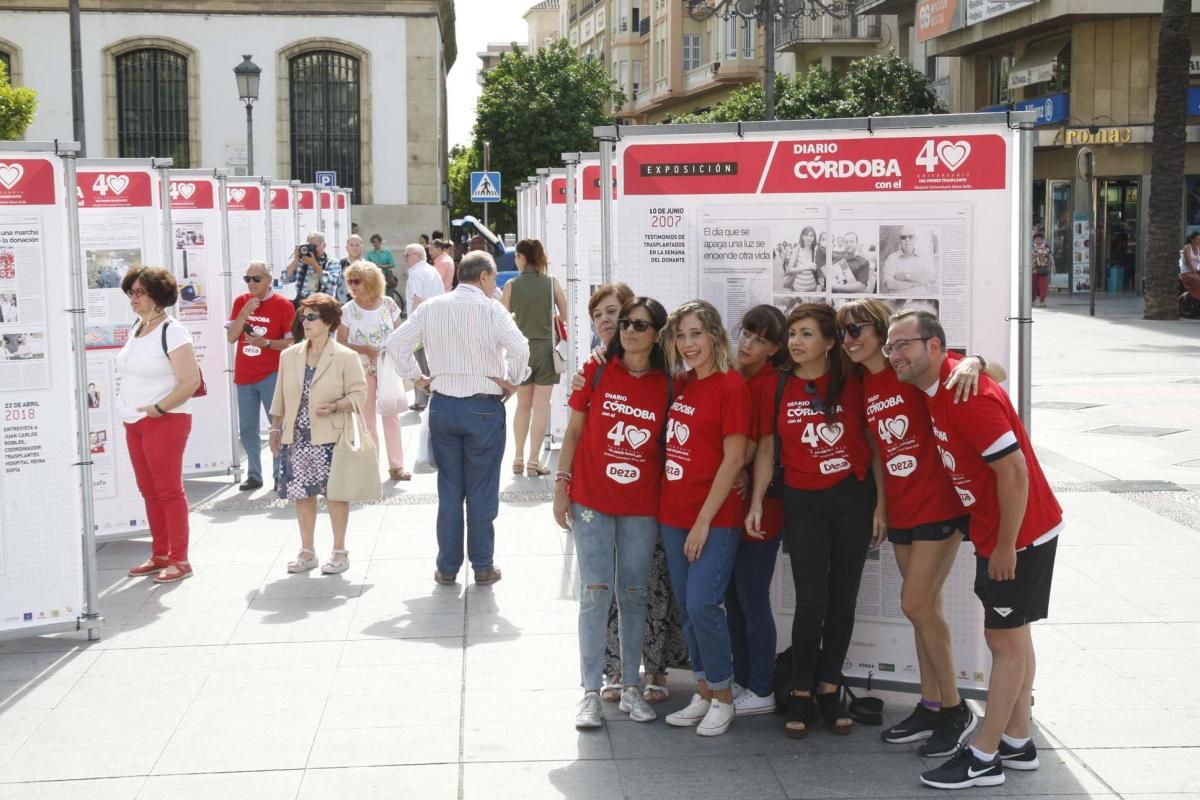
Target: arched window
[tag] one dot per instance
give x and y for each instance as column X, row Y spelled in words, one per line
column 6, row 60
column 325, row 114
column 152, row 105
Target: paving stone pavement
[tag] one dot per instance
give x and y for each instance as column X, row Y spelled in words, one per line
column 246, row 682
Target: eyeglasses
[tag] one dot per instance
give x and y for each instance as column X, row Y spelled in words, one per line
column 907, row 236
column 253, row 278
column 639, row 325
column 853, row 330
column 354, row 281
column 899, row 344
column 310, row 317
column 810, row 389
column 138, row 292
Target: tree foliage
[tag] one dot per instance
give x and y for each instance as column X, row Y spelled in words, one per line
column 533, row 108
column 884, row 85
column 17, row 106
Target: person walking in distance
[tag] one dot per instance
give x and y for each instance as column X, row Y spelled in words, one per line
column 423, row 283
column 476, row 356
column 259, row 327
column 1042, row 260
column 1015, row 523
column 443, row 261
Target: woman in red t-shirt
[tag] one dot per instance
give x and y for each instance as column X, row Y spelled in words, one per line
column 607, row 490
column 925, row 518
column 761, row 352
column 699, row 512
column 828, row 502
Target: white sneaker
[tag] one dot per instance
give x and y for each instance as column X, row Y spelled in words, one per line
column 748, row 703
column 691, row 715
column 589, row 714
column 737, row 689
column 633, row 704
column 717, row 720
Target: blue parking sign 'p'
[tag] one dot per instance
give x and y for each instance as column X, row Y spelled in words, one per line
column 485, row 187
column 326, row 178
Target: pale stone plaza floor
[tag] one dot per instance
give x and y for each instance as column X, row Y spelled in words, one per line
column 245, row 682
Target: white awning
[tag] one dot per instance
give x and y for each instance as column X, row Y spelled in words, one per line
column 1037, row 64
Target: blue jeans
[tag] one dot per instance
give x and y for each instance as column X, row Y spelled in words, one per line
column 699, row 588
column 250, row 397
column 608, row 547
column 467, row 437
column 751, row 623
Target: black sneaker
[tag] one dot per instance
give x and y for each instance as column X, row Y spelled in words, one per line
column 953, row 726
column 916, row 726
column 1022, row 758
column 964, row 771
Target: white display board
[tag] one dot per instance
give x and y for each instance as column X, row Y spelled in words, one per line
column 285, row 233
column 326, row 224
column 41, row 519
column 248, row 218
column 919, row 217
column 306, row 202
column 121, row 225
column 198, row 230
column 588, row 235
column 341, row 215
column 555, row 245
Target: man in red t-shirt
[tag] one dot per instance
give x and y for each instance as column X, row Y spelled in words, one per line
column 261, row 325
column 1015, row 522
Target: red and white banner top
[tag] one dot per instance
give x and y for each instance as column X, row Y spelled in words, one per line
column 591, row 182
column 827, row 165
column 243, row 198
column 115, row 189
column 308, row 199
column 27, row 182
column 326, row 199
column 281, row 199
column 558, row 191
column 341, row 201
column 192, row 193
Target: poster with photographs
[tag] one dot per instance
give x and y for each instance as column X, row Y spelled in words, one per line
column 22, row 305
column 191, row 271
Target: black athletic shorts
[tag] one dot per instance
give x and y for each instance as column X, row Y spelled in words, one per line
column 931, row 531
column 1026, row 598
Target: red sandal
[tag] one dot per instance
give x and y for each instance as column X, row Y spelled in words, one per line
column 152, row 564
column 175, row 572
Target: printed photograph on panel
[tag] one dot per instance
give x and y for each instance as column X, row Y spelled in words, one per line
column 23, row 346
column 786, row 302
column 9, row 311
column 106, row 268
column 853, row 266
column 797, row 264
column 911, row 263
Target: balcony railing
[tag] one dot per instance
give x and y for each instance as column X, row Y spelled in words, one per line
column 644, row 27
column 853, row 28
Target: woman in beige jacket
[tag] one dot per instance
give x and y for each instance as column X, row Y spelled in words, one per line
column 319, row 380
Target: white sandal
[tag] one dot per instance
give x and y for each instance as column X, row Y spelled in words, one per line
column 302, row 564
column 336, row 566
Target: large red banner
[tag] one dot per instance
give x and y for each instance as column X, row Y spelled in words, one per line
column 114, row 189
column 26, row 182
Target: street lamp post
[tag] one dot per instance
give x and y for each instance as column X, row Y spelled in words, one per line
column 768, row 12
column 247, row 74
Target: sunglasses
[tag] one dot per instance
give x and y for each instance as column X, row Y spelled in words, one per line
column 135, row 293
column 252, row 278
column 354, row 281
column 639, row 325
column 810, row 389
column 907, row 236
column 310, row 317
column 853, row 330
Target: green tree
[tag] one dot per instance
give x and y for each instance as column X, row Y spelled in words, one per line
column 463, row 161
column 17, row 105
column 1167, row 161
column 534, row 108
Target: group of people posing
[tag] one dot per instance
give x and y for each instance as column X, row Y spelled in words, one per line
column 829, row 431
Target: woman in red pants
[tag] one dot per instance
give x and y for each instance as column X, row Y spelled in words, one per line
column 158, row 375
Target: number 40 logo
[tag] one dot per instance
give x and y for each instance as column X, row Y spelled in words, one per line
column 951, row 155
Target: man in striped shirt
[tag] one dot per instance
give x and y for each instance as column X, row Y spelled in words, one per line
column 477, row 356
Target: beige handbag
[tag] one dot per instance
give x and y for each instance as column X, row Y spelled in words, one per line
column 354, row 474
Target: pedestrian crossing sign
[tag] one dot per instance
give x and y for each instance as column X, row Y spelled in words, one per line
column 485, row 187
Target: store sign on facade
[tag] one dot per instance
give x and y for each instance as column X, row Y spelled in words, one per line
column 1078, row 136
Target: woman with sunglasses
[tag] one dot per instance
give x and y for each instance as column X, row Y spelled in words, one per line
column 699, row 513
column 367, row 320
column 828, row 501
column 925, row 520
column 606, row 489
column 761, row 353
column 319, row 381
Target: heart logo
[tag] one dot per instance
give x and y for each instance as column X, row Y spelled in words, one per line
column 237, row 195
column 898, row 426
column 117, row 183
column 186, row 190
column 947, row 459
column 953, row 154
column 10, row 175
column 636, row 436
column 830, row 434
column 682, row 432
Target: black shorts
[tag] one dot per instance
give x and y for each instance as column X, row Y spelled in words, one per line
column 931, row 531
column 1026, row 598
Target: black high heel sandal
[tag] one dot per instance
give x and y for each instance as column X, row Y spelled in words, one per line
column 834, row 713
column 800, row 709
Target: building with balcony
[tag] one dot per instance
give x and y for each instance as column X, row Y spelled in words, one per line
column 1088, row 68
column 491, row 57
column 832, row 42
column 543, row 21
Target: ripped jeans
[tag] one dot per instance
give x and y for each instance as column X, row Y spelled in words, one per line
column 612, row 550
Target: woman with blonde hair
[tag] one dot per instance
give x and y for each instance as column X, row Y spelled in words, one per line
column 366, row 322
column 532, row 297
column 699, row 513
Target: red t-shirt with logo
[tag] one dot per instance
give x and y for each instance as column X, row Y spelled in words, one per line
column 762, row 398
column 917, row 488
column 618, row 459
column 818, row 454
column 703, row 414
column 272, row 319
column 970, row 435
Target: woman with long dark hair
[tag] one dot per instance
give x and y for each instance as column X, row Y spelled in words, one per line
column 800, row 271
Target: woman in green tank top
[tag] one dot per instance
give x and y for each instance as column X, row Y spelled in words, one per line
column 529, row 297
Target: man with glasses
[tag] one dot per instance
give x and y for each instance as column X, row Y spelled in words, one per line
column 423, row 283
column 905, row 271
column 1015, row 522
column 261, row 325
